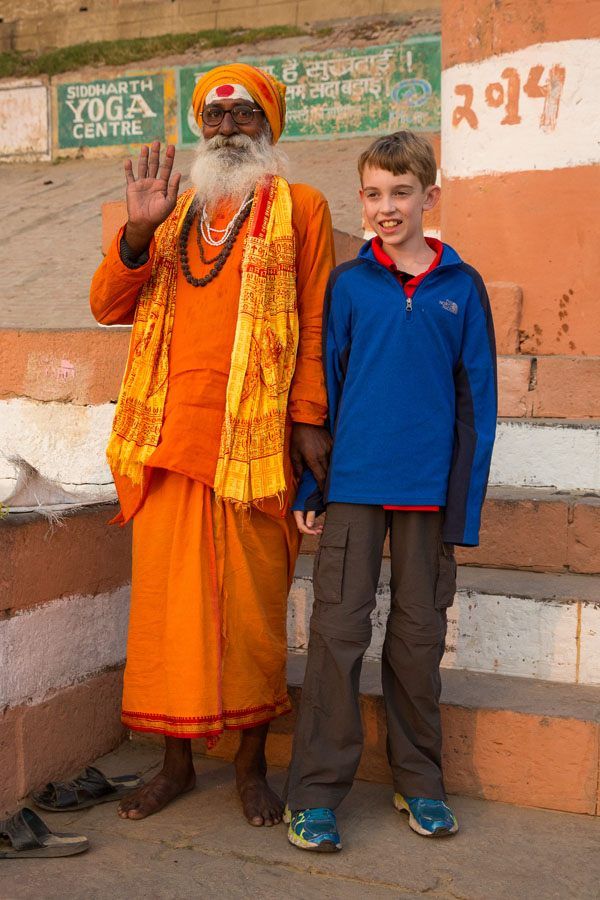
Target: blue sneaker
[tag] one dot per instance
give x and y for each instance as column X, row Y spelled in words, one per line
column 431, row 818
column 313, row 829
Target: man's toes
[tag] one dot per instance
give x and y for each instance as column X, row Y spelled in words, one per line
column 125, row 808
column 135, row 814
column 275, row 812
column 256, row 820
column 272, row 814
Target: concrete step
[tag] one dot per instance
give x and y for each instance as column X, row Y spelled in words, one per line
column 57, row 405
column 65, row 442
column 87, row 366
column 555, row 387
column 537, row 529
column 517, row 740
column 503, row 621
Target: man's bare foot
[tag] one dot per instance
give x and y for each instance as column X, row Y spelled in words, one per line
column 152, row 797
column 261, row 805
column 176, row 777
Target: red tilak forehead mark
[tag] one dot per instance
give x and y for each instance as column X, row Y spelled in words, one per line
column 225, row 90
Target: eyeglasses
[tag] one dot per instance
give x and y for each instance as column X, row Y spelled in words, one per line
column 241, row 115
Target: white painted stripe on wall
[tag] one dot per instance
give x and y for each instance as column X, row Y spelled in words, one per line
column 512, row 636
column 57, row 644
column 589, row 663
column 560, row 455
column 63, row 441
column 490, row 633
column 549, row 124
column 67, row 443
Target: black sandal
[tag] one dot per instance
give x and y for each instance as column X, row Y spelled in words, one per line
column 26, row 835
column 88, row 789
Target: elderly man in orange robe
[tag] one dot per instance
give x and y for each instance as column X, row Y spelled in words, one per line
column 222, row 401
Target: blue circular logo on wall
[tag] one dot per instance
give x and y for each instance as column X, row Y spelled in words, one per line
column 413, row 91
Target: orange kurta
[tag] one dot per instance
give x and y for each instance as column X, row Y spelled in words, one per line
column 202, row 341
column 207, row 638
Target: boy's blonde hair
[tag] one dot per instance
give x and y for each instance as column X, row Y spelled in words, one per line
column 401, row 152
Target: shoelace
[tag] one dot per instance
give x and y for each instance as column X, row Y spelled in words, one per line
column 425, row 807
column 321, row 816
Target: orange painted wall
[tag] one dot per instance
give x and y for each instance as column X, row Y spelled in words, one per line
column 530, row 220
column 529, row 228
column 475, row 29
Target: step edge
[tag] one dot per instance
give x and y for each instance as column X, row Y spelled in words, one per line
column 464, row 688
column 556, row 587
column 551, row 422
column 537, row 494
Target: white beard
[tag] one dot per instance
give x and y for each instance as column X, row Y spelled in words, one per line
column 229, row 168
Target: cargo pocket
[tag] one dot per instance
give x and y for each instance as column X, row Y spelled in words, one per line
column 328, row 573
column 446, row 583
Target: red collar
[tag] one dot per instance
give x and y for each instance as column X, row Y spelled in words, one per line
column 413, row 280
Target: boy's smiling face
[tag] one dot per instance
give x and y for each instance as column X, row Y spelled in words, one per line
column 394, row 204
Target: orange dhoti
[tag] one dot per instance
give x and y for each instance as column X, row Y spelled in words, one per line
column 207, row 632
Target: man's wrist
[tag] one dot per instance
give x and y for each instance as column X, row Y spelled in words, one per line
column 138, row 238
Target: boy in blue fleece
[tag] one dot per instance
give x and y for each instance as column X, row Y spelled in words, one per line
column 410, row 368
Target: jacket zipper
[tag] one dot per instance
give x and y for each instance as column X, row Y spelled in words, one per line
column 409, row 300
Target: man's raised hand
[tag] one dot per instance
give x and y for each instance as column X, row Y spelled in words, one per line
column 152, row 196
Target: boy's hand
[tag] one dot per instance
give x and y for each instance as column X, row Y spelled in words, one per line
column 310, row 447
column 306, row 522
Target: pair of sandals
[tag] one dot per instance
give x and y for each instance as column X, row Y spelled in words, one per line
column 25, row 835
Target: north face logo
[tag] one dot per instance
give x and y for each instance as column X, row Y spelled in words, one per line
column 450, row 305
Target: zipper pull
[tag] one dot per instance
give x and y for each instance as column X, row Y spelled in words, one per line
column 409, row 304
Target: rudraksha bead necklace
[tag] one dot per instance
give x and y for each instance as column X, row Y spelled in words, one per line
column 220, row 260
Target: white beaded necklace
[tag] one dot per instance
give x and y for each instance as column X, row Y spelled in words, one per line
column 206, row 228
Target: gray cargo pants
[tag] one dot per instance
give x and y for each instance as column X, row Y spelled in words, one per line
column 328, row 739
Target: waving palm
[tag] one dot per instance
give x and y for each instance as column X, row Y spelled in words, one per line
column 152, row 197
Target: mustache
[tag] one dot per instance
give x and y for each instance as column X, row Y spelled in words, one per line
column 222, row 141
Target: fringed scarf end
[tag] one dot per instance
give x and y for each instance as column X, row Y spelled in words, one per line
column 128, row 459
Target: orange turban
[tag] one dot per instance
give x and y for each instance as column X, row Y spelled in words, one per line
column 266, row 90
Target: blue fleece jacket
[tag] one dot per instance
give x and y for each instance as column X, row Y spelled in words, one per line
column 412, row 392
